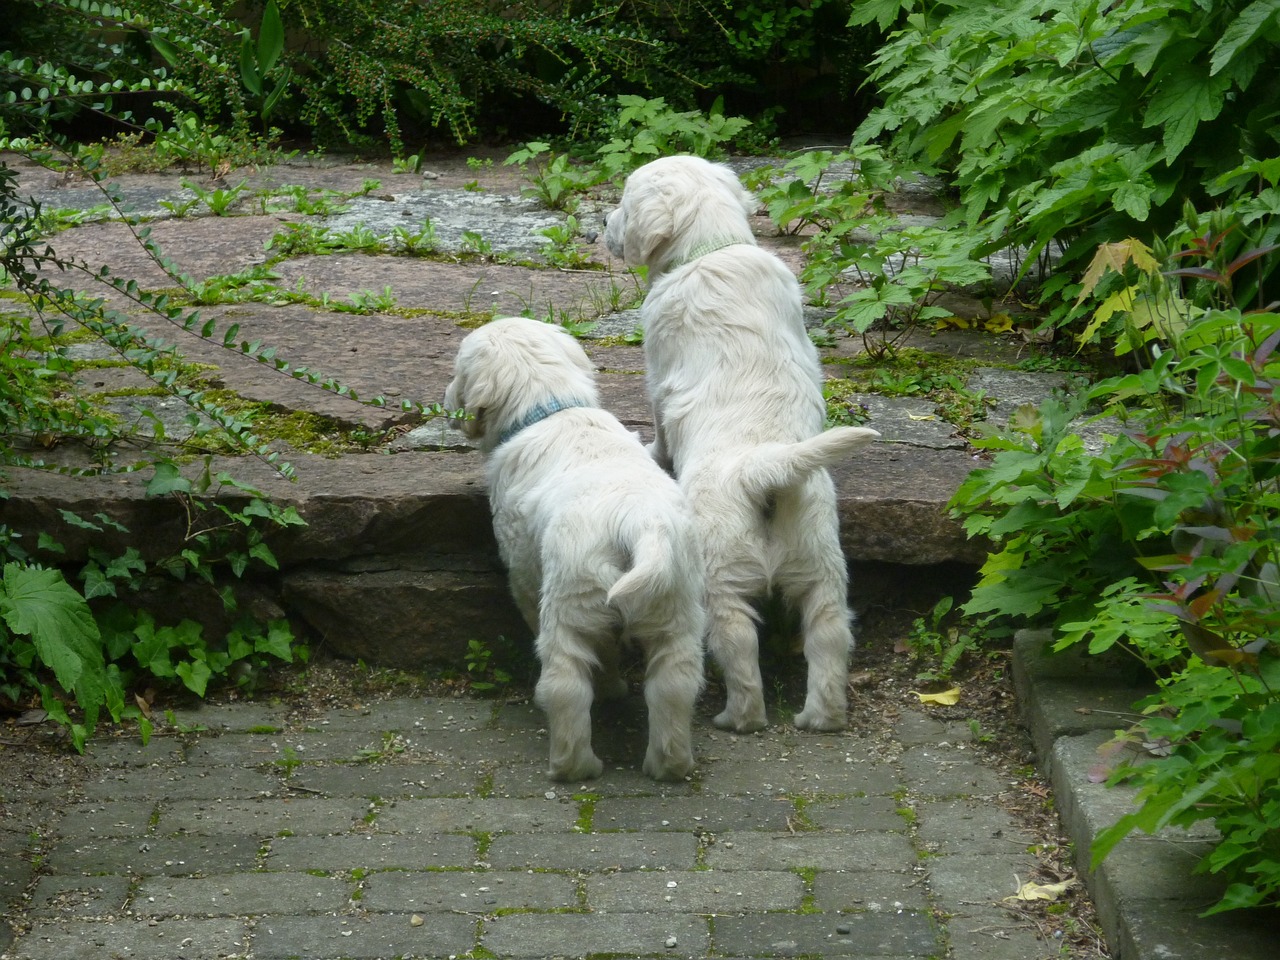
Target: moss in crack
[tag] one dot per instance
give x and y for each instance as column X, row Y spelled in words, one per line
column 586, row 811
column 807, row 877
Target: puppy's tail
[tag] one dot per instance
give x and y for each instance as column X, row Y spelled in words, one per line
column 777, row 466
column 654, row 569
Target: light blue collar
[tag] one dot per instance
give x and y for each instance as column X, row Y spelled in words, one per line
column 537, row 415
column 709, row 246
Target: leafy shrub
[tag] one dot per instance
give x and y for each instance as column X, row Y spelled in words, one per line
column 896, row 272
column 1064, row 125
column 1164, row 544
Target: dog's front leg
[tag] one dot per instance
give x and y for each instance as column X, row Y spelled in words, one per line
column 564, row 694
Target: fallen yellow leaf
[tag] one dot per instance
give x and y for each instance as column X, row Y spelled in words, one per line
column 923, row 416
column 946, row 698
column 1042, row 891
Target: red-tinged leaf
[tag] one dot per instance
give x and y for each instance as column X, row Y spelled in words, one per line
column 1200, row 273
column 1202, row 604
column 1248, row 257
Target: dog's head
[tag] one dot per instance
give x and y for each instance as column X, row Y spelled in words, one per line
column 510, row 366
column 671, row 207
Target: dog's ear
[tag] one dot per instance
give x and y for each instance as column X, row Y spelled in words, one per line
column 468, row 393
column 649, row 222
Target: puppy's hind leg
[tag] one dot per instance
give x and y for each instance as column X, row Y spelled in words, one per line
column 733, row 642
column 828, row 640
column 564, row 693
column 673, row 679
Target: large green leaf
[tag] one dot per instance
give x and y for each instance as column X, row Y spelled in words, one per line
column 40, row 604
column 1242, row 31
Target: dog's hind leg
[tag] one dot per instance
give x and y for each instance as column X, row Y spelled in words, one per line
column 564, row 693
column 828, row 639
column 673, row 679
column 732, row 640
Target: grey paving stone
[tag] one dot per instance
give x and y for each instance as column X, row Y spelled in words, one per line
column 484, row 892
column 156, row 856
column 597, row 851
column 878, row 812
column 820, row 851
column 949, row 772
column 969, row 826
column 579, row 935
column 978, row 878
column 872, row 891
column 369, row 851
column 921, row 729
column 701, row 892
column 824, row 776
column 377, row 936
column 790, row 935
column 386, row 780
column 989, row 933
column 241, row 717
column 271, row 817
column 132, row 752
column 265, row 750
column 528, row 778
column 409, row 715
column 246, row 894
column 173, row 939
column 71, row 898
column 472, row 815
column 181, row 783
column 282, row 750
column 692, row 814
column 93, row 821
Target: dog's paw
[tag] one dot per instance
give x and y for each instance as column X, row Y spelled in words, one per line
column 666, row 767
column 585, row 768
column 819, row 721
column 750, row 723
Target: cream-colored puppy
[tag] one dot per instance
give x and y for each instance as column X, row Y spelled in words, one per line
column 599, row 541
column 738, row 413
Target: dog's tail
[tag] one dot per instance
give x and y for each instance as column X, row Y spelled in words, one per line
column 654, row 569
column 777, row 466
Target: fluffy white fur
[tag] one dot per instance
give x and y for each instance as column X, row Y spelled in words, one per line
column 738, row 411
column 599, row 541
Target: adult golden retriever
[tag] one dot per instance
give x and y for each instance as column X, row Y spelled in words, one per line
column 738, row 413
column 598, row 540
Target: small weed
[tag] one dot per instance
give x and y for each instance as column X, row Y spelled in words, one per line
column 475, row 244
column 366, row 301
column 481, row 672
column 288, row 762
column 220, row 200
column 936, row 646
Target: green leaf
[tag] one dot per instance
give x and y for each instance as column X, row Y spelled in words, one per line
column 1184, row 99
column 40, row 604
column 1242, row 30
column 167, row 480
column 248, row 68
column 270, row 38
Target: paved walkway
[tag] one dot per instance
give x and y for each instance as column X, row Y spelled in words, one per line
column 427, row 828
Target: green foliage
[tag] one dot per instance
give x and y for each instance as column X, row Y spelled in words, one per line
column 937, row 646
column 644, row 129
column 896, row 272
column 1165, row 544
column 482, row 673
column 1066, row 125
column 97, row 642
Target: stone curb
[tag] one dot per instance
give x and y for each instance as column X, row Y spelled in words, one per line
column 1147, row 897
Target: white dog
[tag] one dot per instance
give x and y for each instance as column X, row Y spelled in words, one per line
column 738, row 413
column 599, row 541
